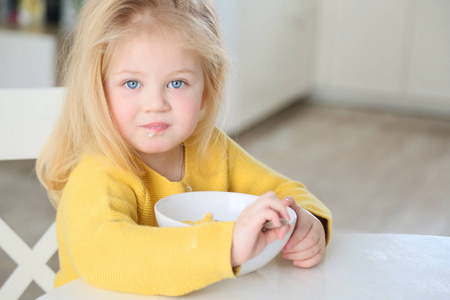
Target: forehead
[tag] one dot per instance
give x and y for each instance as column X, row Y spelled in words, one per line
column 158, row 50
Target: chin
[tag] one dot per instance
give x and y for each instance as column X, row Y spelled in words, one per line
column 156, row 148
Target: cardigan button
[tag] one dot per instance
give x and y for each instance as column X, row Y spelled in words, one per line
column 188, row 189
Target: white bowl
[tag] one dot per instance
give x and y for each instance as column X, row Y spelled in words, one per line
column 224, row 206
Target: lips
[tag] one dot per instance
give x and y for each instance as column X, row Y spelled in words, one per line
column 156, row 127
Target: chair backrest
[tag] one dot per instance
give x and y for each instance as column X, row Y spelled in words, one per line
column 27, row 117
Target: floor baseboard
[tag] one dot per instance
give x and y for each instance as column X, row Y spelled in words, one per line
column 412, row 105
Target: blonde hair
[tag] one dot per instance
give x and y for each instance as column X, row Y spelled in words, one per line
column 85, row 124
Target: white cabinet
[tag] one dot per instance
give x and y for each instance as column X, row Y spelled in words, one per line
column 385, row 53
column 27, row 60
column 272, row 45
column 430, row 56
column 368, row 44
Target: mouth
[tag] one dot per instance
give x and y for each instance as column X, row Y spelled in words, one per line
column 155, row 127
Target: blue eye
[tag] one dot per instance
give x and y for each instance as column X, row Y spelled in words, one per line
column 132, row 84
column 176, row 84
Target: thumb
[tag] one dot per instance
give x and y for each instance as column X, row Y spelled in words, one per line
column 289, row 202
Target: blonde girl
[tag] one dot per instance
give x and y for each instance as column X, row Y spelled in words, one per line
column 145, row 81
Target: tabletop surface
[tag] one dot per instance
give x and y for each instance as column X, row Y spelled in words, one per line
column 356, row 266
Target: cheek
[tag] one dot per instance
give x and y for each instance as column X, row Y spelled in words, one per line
column 189, row 121
column 188, row 104
column 122, row 114
column 190, row 111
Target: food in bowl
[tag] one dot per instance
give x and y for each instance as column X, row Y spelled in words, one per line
column 207, row 219
column 171, row 211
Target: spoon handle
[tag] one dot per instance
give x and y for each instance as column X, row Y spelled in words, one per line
column 269, row 225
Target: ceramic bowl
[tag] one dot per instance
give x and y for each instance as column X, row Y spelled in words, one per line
column 171, row 211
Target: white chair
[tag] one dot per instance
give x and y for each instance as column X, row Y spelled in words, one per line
column 27, row 117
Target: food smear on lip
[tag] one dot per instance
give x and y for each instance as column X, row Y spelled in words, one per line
column 157, row 127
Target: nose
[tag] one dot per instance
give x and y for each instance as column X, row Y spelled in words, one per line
column 155, row 101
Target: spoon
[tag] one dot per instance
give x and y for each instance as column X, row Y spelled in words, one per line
column 269, row 225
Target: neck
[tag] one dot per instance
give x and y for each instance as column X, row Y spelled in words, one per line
column 168, row 164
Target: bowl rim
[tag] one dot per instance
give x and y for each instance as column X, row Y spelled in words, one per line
column 181, row 224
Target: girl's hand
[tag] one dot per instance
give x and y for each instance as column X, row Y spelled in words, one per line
column 248, row 239
column 306, row 246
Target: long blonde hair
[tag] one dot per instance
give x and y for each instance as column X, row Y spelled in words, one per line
column 85, row 124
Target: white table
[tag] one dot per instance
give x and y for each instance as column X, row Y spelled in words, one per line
column 356, row 266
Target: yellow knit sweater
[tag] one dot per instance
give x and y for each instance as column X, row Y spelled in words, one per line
column 108, row 234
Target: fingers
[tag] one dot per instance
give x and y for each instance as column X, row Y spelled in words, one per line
column 308, row 257
column 273, row 216
column 306, row 246
column 298, row 238
column 272, row 235
column 305, row 223
column 269, row 206
column 277, row 209
column 289, row 202
column 310, row 262
column 277, row 205
column 282, row 231
column 248, row 239
column 309, row 248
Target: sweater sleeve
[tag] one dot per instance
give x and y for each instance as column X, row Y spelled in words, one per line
column 248, row 175
column 98, row 229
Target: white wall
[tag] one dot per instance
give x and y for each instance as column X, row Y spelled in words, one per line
column 385, row 53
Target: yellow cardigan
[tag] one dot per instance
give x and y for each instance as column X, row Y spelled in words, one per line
column 108, row 234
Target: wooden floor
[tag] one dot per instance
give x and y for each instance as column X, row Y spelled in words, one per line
column 376, row 171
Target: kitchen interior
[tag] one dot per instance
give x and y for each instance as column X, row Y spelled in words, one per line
column 352, row 98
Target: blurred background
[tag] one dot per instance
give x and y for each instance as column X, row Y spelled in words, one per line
column 350, row 97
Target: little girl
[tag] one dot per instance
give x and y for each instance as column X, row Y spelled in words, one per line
column 145, row 82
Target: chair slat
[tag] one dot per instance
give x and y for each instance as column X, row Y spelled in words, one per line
column 27, row 118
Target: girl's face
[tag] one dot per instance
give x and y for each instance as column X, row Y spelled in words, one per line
column 155, row 92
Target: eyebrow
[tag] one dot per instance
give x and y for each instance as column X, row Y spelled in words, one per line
column 141, row 73
column 182, row 71
column 128, row 72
